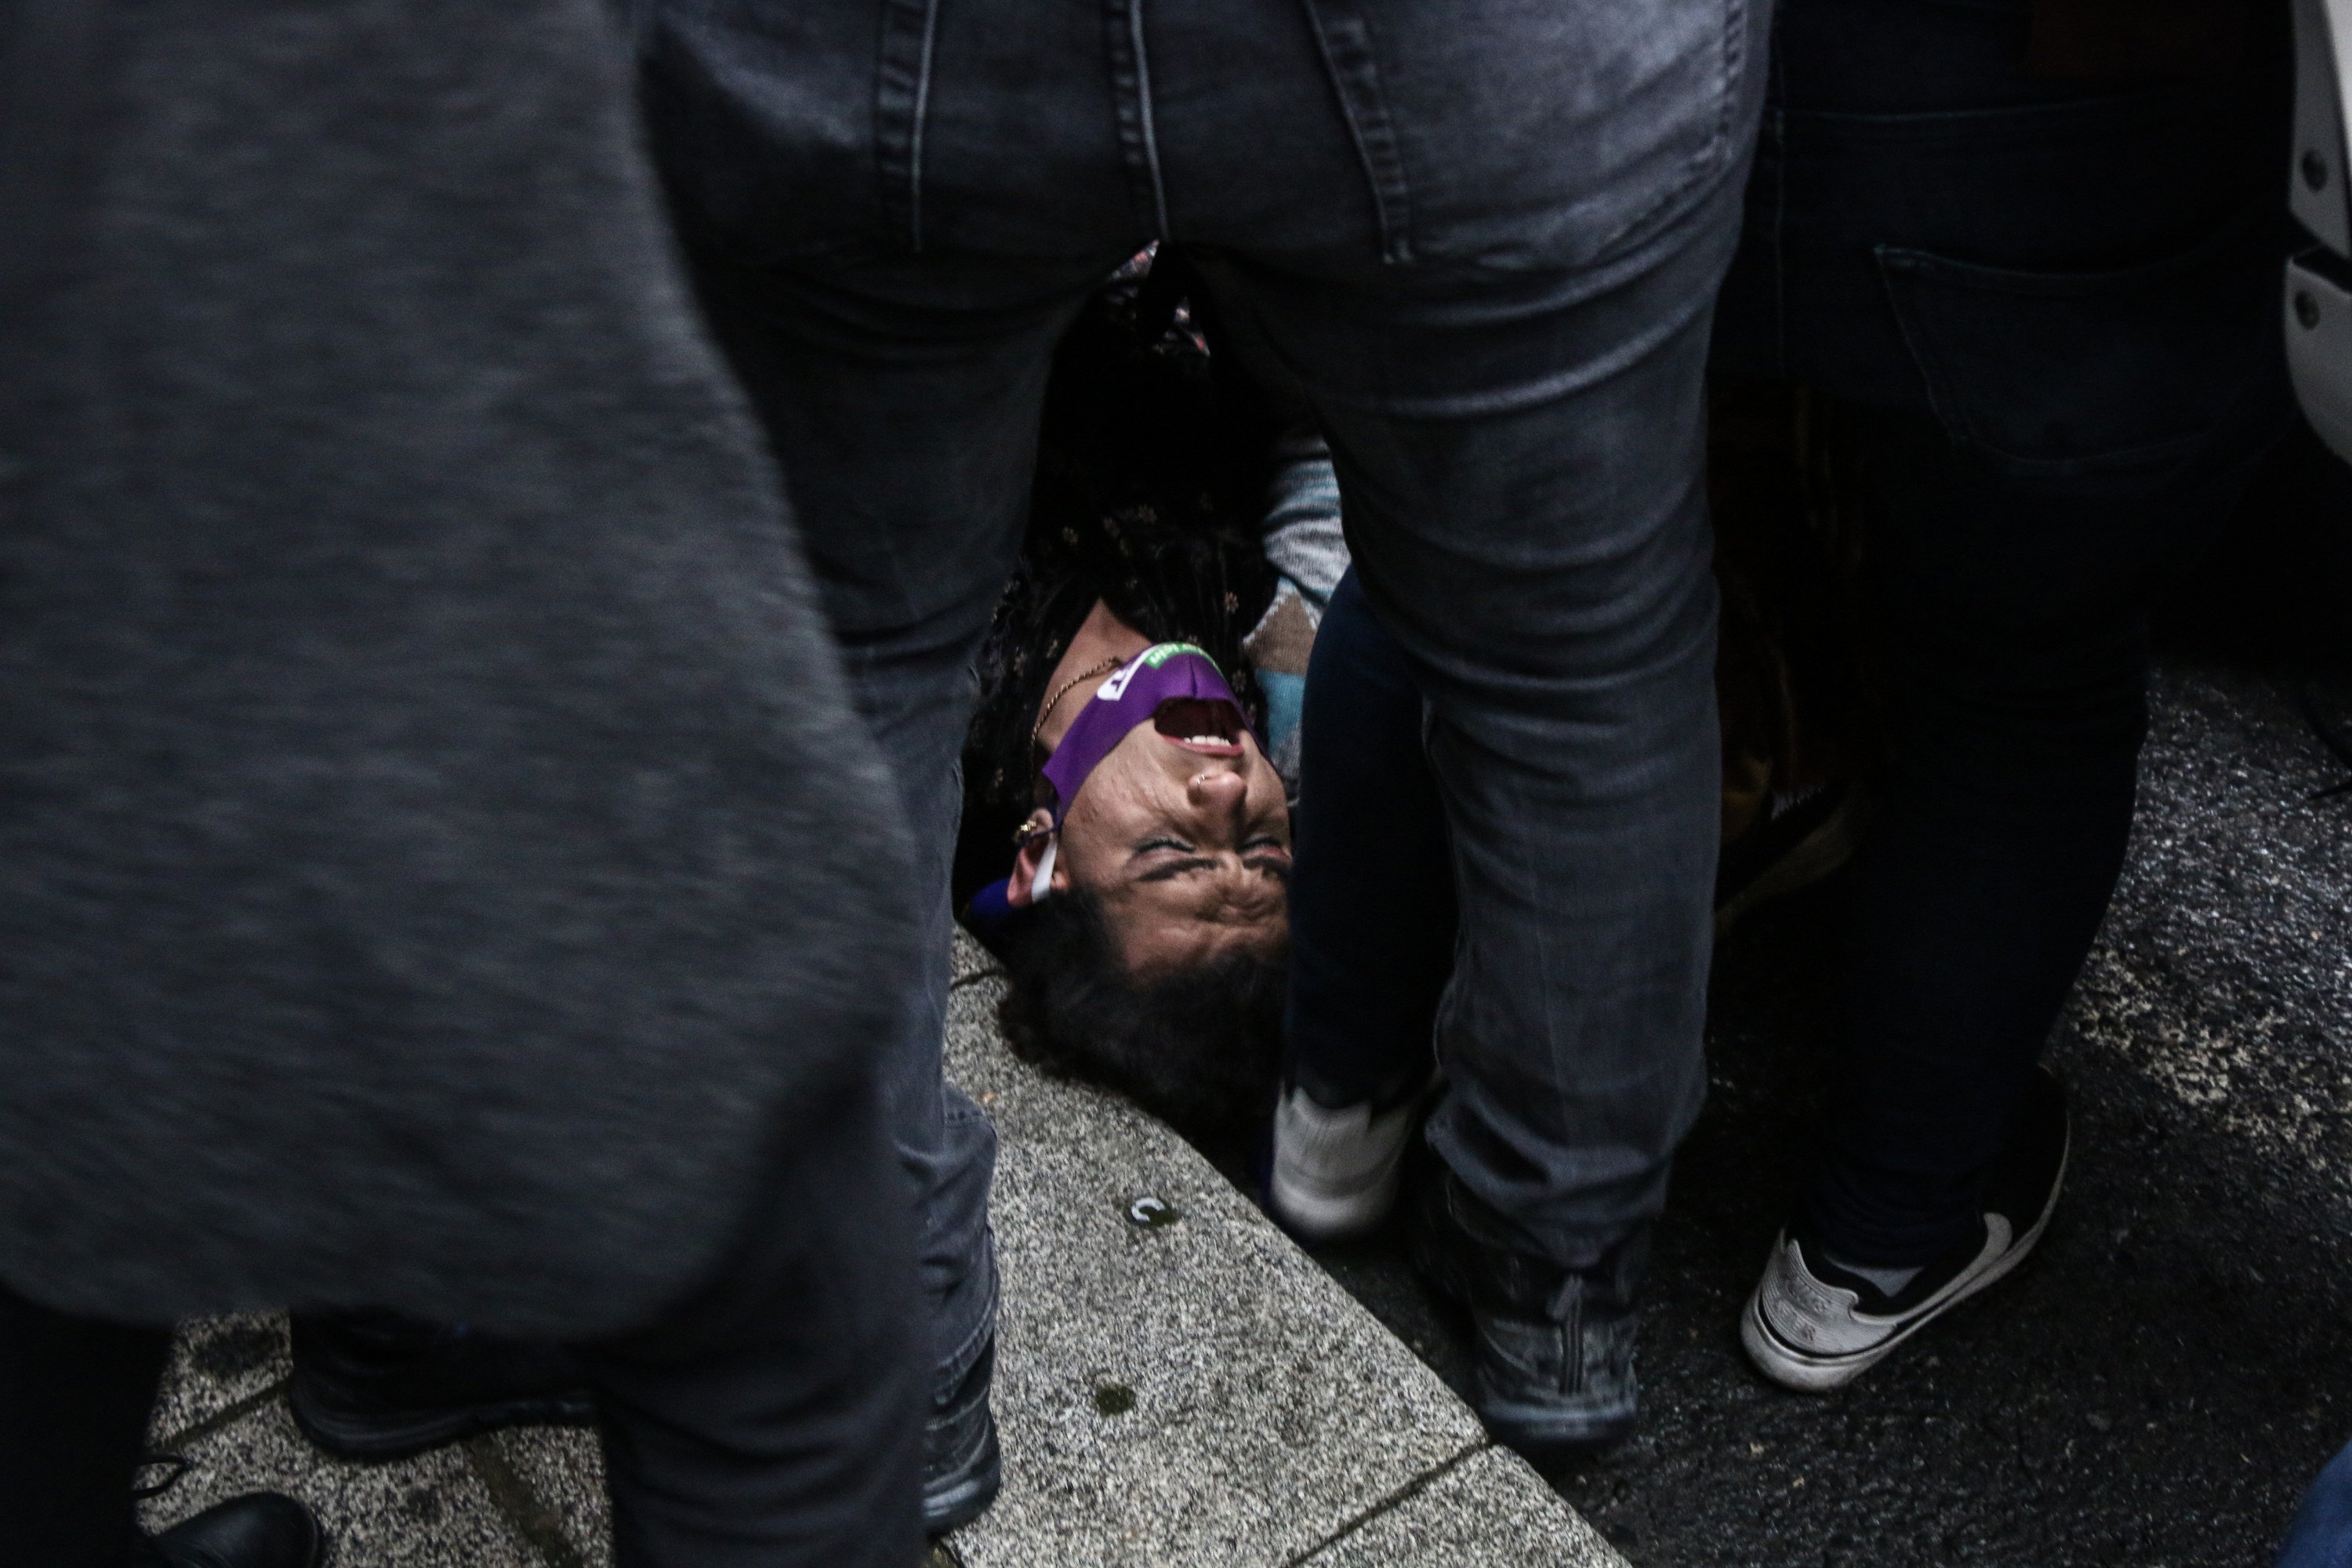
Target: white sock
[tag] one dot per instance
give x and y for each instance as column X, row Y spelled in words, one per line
column 1890, row 1281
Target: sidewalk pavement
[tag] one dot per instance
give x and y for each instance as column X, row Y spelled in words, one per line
column 1177, row 1385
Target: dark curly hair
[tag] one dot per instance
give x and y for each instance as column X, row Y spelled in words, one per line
column 1151, row 473
column 1149, row 483
column 1199, row 1049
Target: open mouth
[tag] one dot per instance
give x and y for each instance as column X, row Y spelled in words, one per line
column 1200, row 724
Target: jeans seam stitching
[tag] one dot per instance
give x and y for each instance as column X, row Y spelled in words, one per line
column 921, row 124
column 1372, row 130
column 1939, row 399
column 1131, row 110
column 902, row 110
column 1143, row 113
column 1703, row 161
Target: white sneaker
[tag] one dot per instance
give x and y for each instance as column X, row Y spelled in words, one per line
column 1814, row 1326
column 1335, row 1171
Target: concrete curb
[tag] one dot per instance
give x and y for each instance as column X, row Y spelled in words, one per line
column 1176, row 1385
column 1195, row 1389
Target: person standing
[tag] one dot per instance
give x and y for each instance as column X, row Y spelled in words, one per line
column 444, row 872
column 2031, row 248
column 1485, row 238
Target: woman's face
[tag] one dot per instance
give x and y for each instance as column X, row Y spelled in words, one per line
column 1182, row 832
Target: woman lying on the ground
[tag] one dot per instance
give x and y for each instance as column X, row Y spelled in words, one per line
column 1179, row 503
column 1119, row 803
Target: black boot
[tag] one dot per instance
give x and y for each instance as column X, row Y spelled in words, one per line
column 259, row 1530
column 375, row 1385
column 1555, row 1344
column 961, row 1466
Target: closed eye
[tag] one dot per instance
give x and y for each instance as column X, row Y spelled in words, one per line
column 1265, row 853
column 1163, row 868
column 1269, row 856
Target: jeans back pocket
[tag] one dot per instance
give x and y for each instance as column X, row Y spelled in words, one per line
column 777, row 135
column 2054, row 373
column 1527, row 133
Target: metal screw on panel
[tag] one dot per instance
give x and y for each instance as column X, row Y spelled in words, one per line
column 2315, row 169
column 2306, row 309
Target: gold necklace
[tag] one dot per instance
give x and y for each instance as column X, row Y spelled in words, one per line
column 1104, row 667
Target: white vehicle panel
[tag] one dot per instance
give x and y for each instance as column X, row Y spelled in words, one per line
column 2318, row 293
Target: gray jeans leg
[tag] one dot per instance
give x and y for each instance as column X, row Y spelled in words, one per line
column 1519, row 459
column 903, row 397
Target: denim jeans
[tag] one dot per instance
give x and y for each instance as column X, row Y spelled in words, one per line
column 1485, row 238
column 1372, row 920
column 2052, row 304
column 2321, row 1536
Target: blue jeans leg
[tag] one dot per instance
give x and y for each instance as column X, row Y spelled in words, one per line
column 1371, row 885
column 2321, row 1536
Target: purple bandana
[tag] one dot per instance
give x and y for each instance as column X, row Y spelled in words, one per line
column 1164, row 673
